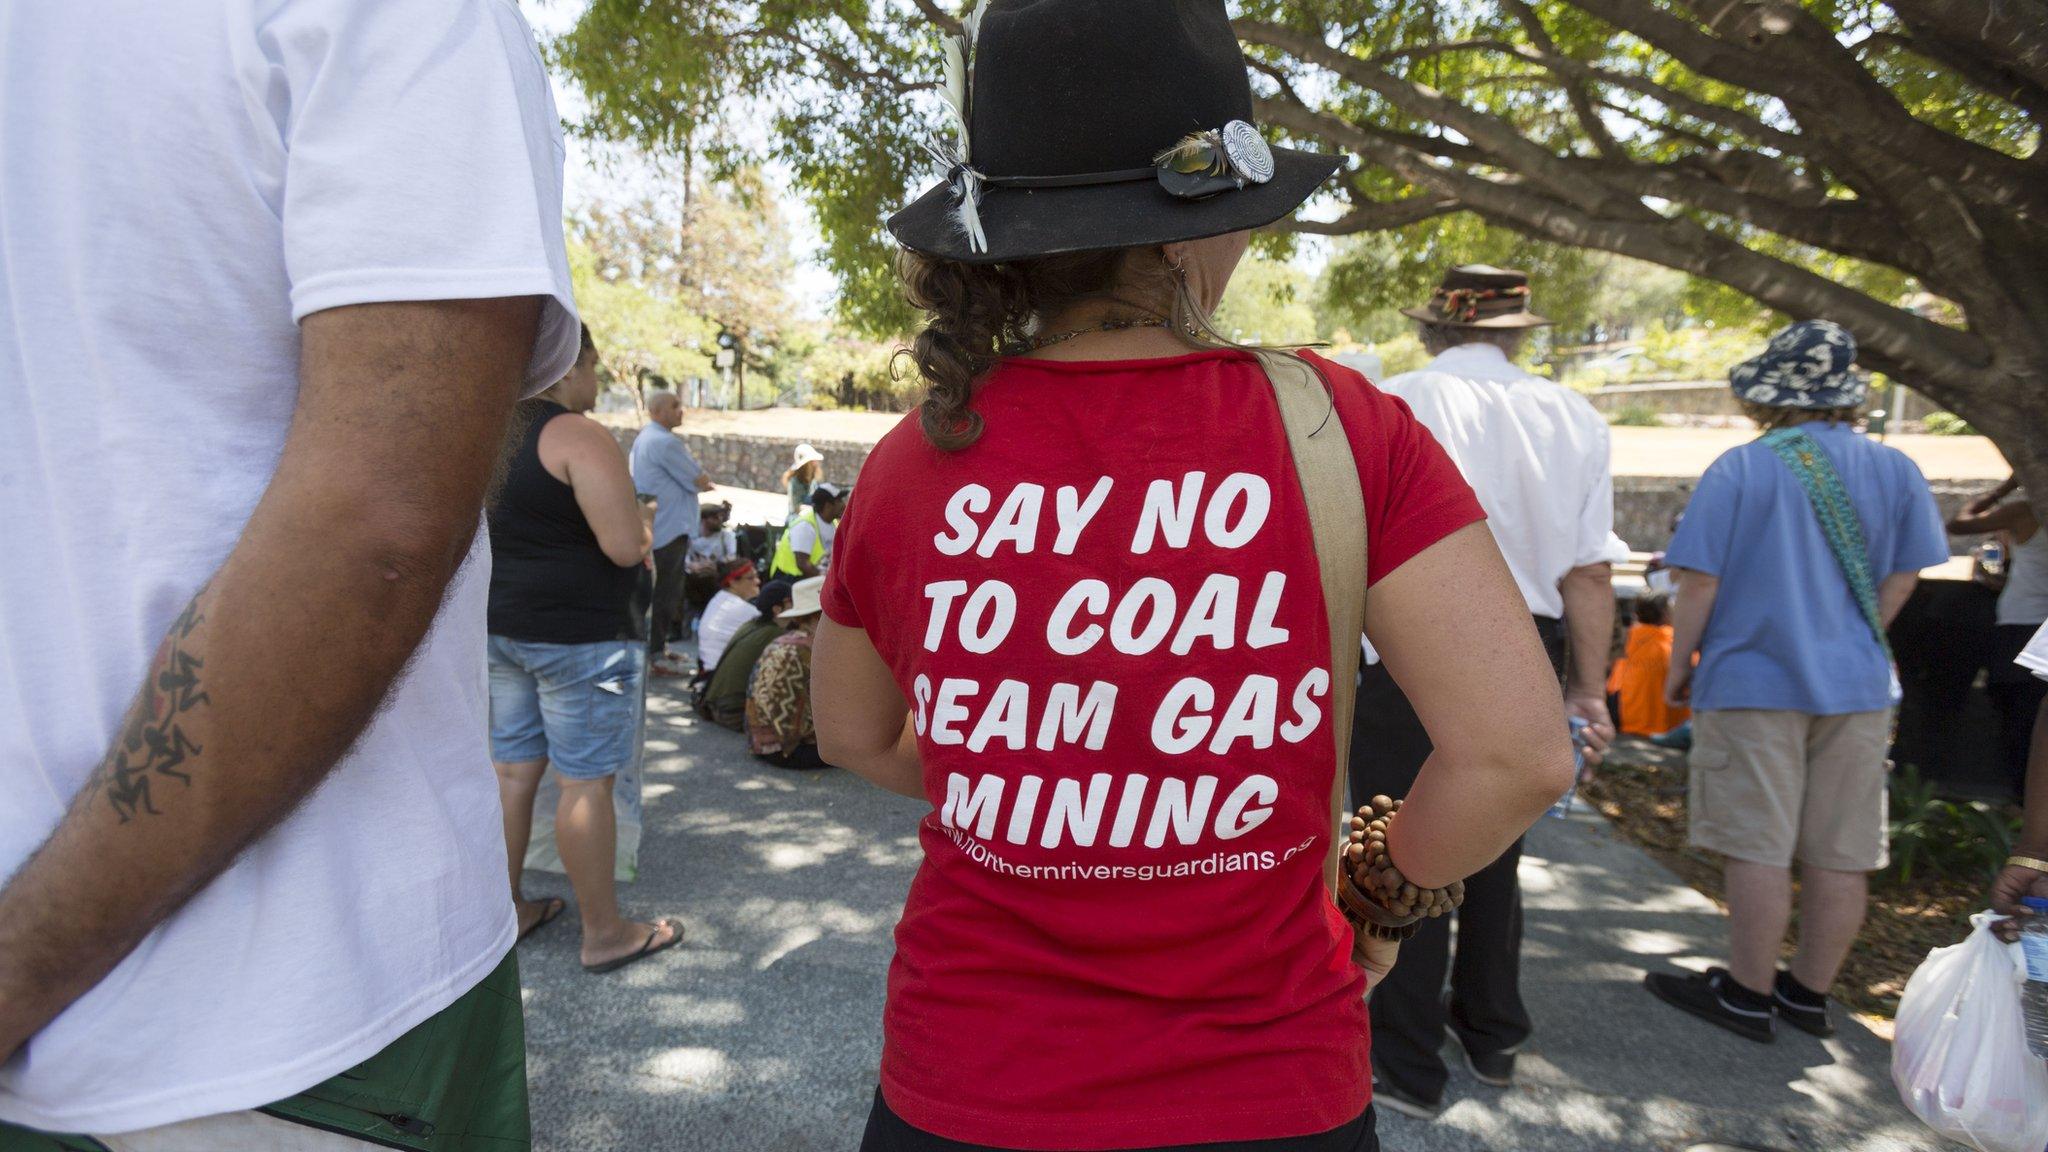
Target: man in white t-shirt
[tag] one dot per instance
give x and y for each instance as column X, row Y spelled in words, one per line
column 805, row 549
column 294, row 261
column 2026, row 870
column 1536, row 454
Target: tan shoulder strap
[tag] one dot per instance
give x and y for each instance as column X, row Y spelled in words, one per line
column 1336, row 516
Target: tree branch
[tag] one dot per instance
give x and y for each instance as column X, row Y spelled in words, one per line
column 1989, row 77
column 1933, row 350
column 1848, row 227
column 1582, row 104
column 1774, row 46
column 947, row 22
column 2012, row 33
column 1491, row 134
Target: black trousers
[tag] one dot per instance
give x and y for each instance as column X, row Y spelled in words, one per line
column 1409, row 1009
column 888, row 1132
column 668, row 591
column 2016, row 696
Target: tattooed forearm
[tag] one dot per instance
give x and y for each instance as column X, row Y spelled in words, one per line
column 156, row 740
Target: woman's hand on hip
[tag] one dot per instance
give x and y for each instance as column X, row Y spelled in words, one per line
column 1377, row 957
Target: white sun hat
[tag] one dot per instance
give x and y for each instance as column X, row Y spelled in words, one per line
column 805, row 599
column 805, row 454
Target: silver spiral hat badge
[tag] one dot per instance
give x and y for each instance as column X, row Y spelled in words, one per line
column 1250, row 156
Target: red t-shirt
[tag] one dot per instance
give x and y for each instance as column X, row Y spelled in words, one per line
column 1107, row 617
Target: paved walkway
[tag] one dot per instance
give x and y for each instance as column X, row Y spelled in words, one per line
column 763, row 1032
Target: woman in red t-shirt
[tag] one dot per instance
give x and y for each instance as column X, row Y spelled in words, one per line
column 1076, row 606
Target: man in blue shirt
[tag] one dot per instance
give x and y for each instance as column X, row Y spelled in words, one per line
column 1796, row 551
column 664, row 469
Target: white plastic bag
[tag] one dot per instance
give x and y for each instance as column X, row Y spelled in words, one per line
column 1959, row 1057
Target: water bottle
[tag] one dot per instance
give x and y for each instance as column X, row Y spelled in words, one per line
column 2034, row 996
column 1563, row 807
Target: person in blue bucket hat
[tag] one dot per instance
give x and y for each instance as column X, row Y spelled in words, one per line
column 1808, row 367
column 1793, row 557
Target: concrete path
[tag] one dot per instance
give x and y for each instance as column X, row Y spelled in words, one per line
column 762, row 1033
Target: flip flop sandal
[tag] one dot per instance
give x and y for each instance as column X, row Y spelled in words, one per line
column 551, row 911
column 645, row 950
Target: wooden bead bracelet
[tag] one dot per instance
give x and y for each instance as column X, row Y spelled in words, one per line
column 1372, row 893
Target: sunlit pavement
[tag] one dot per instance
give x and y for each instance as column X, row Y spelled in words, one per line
column 763, row 1031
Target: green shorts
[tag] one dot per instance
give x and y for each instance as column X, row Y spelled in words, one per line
column 455, row 1083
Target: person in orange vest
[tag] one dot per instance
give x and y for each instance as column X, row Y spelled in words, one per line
column 1638, row 677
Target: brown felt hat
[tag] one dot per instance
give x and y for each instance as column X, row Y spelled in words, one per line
column 1480, row 296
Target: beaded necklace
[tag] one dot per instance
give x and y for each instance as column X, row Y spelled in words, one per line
column 1118, row 325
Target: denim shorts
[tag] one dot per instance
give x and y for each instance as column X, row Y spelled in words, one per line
column 576, row 706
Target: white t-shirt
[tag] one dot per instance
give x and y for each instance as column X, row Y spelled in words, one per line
column 2024, row 600
column 183, row 180
column 1537, row 455
column 716, row 548
column 803, row 537
column 723, row 618
column 2034, row 657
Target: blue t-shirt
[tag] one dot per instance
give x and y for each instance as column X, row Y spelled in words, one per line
column 664, row 469
column 1786, row 632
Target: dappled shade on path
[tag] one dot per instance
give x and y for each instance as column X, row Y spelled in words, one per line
column 763, row 1032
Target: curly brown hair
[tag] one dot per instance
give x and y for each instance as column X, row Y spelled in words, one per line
column 1767, row 418
column 978, row 313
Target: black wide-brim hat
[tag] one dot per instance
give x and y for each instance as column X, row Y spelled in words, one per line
column 1071, row 105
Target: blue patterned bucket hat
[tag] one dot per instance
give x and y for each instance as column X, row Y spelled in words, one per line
column 1808, row 365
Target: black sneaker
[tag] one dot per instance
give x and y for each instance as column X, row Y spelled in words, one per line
column 1492, row 1068
column 1802, row 1007
column 1715, row 997
column 1389, row 1095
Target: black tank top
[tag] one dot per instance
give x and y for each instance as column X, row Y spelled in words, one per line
column 550, row 582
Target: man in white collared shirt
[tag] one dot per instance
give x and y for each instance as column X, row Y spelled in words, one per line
column 1537, row 456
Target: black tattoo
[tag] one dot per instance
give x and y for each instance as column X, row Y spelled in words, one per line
column 154, row 745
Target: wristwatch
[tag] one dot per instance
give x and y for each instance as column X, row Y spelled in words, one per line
column 2033, row 862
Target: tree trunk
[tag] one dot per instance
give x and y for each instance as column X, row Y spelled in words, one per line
column 2011, row 410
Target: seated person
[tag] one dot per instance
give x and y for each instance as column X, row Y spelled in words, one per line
column 779, row 725
column 713, row 547
column 1639, row 675
column 722, row 699
column 806, row 547
column 715, row 542
column 738, row 584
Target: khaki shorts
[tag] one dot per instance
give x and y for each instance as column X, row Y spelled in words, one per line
column 1773, row 787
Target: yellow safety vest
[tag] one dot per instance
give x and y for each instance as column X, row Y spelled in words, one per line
column 784, row 563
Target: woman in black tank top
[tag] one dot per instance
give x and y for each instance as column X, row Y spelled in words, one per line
column 551, row 581
column 568, row 656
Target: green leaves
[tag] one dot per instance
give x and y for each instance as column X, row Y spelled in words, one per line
column 1964, row 839
column 1851, row 154
column 657, row 283
column 829, row 88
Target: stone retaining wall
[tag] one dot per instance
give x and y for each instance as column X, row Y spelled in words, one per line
column 1644, row 506
column 757, row 462
column 1713, row 398
column 749, row 462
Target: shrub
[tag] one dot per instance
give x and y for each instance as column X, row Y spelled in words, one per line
column 1962, row 839
column 1948, row 424
column 1635, row 416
